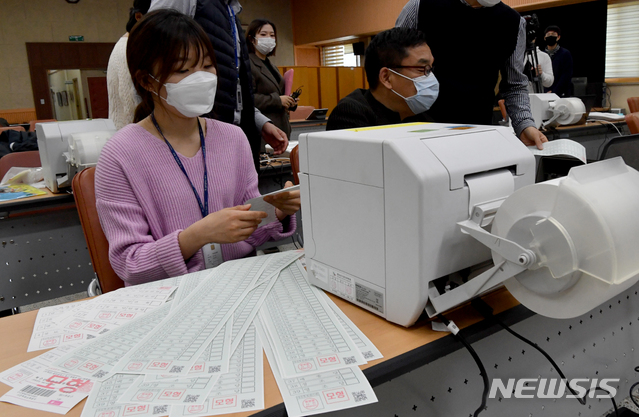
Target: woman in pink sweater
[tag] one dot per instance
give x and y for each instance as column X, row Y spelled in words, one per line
column 172, row 183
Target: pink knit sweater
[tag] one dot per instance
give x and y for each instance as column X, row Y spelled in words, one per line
column 144, row 200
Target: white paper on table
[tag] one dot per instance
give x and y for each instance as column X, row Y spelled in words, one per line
column 561, row 147
column 188, row 284
column 47, row 334
column 102, row 401
column 214, row 360
column 365, row 346
column 258, row 204
column 306, row 335
column 188, row 391
column 120, row 306
column 96, row 358
column 49, row 390
column 239, row 390
column 333, row 390
column 24, row 370
column 176, row 344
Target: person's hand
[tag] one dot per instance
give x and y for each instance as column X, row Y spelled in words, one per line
column 532, row 136
column 287, row 101
column 538, row 70
column 286, row 203
column 230, row 225
column 275, row 137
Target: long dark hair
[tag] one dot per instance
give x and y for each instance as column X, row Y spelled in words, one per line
column 253, row 29
column 139, row 6
column 158, row 46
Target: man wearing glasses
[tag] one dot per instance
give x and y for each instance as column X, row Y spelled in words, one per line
column 474, row 41
column 398, row 68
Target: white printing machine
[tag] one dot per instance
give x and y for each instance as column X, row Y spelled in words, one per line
column 66, row 147
column 389, row 210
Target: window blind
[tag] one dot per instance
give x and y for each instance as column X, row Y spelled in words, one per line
column 622, row 40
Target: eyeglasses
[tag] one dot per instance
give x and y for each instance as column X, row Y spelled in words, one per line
column 424, row 69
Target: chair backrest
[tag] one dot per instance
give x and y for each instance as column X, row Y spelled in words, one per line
column 301, row 113
column 26, row 159
column 18, row 128
column 32, row 123
column 632, row 120
column 633, row 104
column 83, row 185
column 295, row 163
column 625, row 146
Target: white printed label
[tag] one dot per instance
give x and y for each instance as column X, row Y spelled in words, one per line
column 212, row 255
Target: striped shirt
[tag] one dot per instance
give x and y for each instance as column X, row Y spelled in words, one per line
column 514, row 83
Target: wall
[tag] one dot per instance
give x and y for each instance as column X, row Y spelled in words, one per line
column 333, row 20
column 98, row 21
column 49, row 21
column 278, row 12
column 323, row 87
column 619, row 94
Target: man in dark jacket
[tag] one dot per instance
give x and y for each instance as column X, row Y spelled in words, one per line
column 474, row 41
column 394, row 59
column 234, row 98
column 561, row 63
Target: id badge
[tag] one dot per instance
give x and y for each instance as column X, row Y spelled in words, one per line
column 239, row 97
column 212, row 255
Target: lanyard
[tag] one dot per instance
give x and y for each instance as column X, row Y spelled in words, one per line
column 234, row 31
column 204, row 208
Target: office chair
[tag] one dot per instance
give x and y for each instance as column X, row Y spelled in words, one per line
column 295, row 163
column 106, row 280
column 633, row 104
column 632, row 120
column 625, row 146
column 32, row 123
column 26, row 159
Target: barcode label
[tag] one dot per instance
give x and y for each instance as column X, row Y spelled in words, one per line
column 40, row 392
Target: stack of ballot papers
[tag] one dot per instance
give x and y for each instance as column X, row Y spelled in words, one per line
column 192, row 346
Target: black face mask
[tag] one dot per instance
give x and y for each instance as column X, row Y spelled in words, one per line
column 551, row 40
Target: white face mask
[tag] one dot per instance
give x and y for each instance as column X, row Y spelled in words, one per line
column 265, row 45
column 427, row 88
column 193, row 95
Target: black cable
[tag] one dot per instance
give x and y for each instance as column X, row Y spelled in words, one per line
column 487, row 311
column 480, row 365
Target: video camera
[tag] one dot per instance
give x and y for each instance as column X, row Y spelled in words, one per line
column 532, row 26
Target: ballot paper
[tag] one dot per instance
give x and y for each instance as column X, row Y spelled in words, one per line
column 49, row 390
column 561, row 147
column 306, row 335
column 188, row 283
column 102, row 401
column 117, row 307
column 258, row 204
column 188, row 391
column 365, row 346
column 322, row 392
column 176, row 343
column 96, row 358
column 214, row 360
column 241, row 389
column 46, row 332
column 20, row 372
